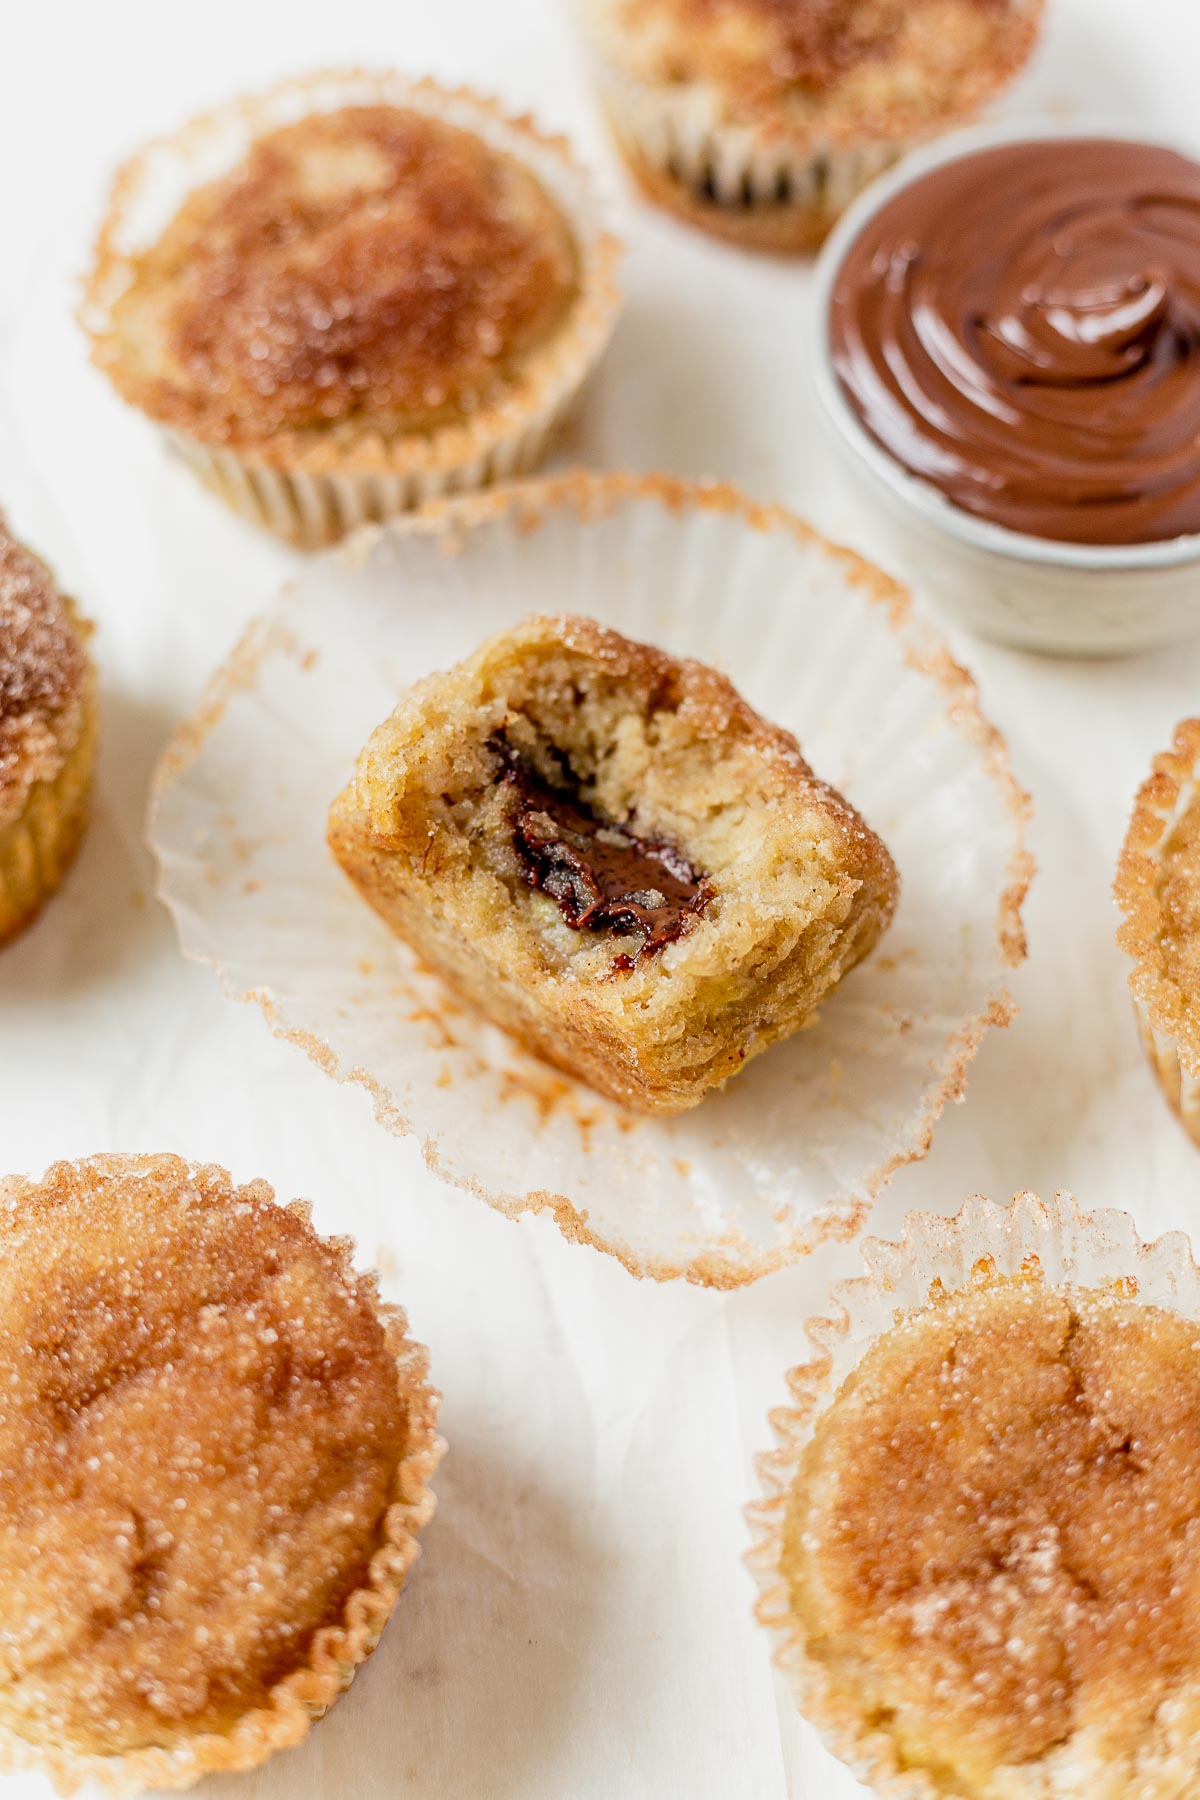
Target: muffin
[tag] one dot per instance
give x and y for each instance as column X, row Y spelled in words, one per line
column 1158, row 890
column 217, row 1443
column 983, row 1551
column 364, row 292
column 613, row 857
column 759, row 120
column 48, row 724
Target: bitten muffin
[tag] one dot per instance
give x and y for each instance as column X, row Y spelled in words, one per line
column 615, row 858
column 48, row 729
column 216, row 1443
column 385, row 298
column 759, row 120
column 992, row 1548
column 1157, row 888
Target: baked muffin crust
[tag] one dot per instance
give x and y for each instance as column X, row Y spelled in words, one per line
column 993, row 1544
column 1157, row 888
column 44, row 674
column 371, row 269
column 203, row 1422
column 1178, row 895
column 874, row 69
column 48, row 730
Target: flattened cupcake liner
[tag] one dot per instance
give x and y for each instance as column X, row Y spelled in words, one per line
column 306, row 487
column 39, row 845
column 1170, row 1037
column 797, row 1147
column 337, row 1651
column 1055, row 1241
column 761, row 192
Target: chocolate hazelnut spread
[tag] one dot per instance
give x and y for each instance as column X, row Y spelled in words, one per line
column 602, row 875
column 1021, row 328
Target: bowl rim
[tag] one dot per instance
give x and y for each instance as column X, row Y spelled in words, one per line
column 921, row 496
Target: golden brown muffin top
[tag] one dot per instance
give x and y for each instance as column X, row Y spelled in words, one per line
column 995, row 1541
column 372, row 268
column 886, row 67
column 1157, row 887
column 200, row 1426
column 43, row 673
column 1179, row 904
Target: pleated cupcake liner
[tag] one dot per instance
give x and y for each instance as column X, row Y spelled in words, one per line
column 773, row 183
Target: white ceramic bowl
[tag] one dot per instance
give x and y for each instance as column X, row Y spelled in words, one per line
column 1035, row 593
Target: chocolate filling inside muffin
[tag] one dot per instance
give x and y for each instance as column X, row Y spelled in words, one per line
column 603, row 875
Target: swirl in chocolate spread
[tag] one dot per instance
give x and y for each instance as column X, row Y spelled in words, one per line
column 1021, row 328
column 602, row 875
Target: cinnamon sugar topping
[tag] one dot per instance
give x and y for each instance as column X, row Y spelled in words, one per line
column 889, row 65
column 818, row 42
column 200, row 1427
column 995, row 1539
column 370, row 268
column 43, row 671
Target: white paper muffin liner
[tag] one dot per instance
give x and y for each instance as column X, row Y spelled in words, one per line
column 797, row 1147
column 312, row 493
column 1067, row 1247
column 1169, row 1033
